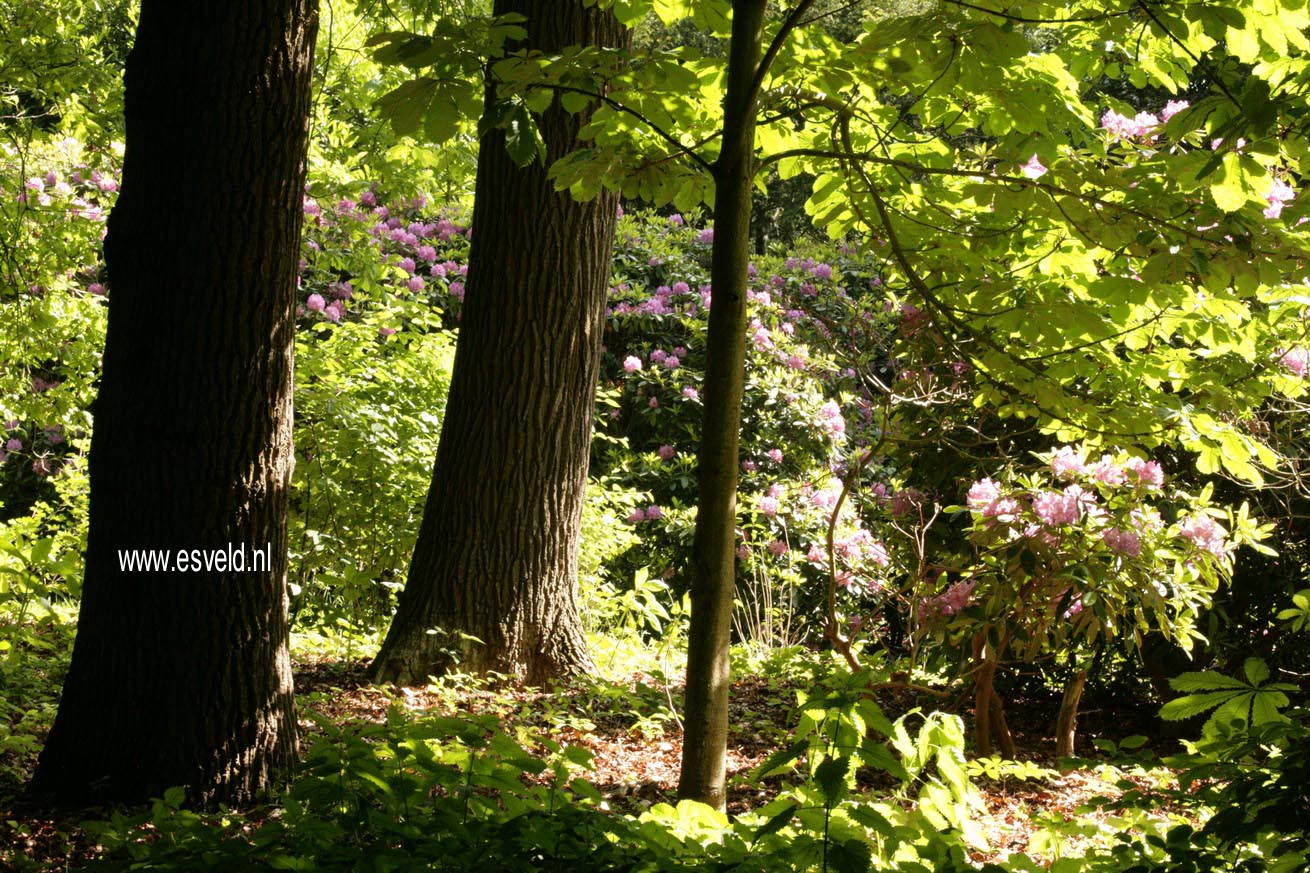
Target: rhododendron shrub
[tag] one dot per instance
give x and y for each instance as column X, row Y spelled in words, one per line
column 53, row 299
column 806, row 414
column 1087, row 550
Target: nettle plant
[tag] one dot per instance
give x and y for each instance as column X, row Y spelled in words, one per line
column 1075, row 555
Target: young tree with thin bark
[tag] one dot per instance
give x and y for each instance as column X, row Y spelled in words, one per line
column 183, row 677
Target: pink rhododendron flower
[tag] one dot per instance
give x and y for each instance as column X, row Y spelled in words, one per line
column 983, row 494
column 955, row 598
column 636, row 516
column 817, row 555
column 1277, row 198
column 690, row 393
column 1172, row 108
column 1206, row 534
column 672, row 362
column 1034, row 169
column 778, row 548
column 743, row 551
column 631, row 364
column 748, row 466
column 1125, row 542
column 1122, row 127
column 654, row 513
column 1060, row 508
column 1107, row 472
column 830, row 419
column 385, row 332
column 1148, row 518
column 415, row 283
column 40, row 466
column 825, row 498
column 666, row 452
column 407, row 264
column 96, row 288
column 675, row 220
column 14, row 445
column 1067, row 462
column 315, row 303
column 1296, row 362
column 334, row 311
column 768, row 505
column 774, row 455
column 457, row 290
column 653, row 403
column 1005, row 510
column 1147, row 473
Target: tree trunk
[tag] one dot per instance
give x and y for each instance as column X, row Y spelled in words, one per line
column 184, row 678
column 714, row 549
column 497, row 551
column 1066, row 723
column 991, row 732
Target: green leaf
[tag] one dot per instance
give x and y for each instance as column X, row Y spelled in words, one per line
column 405, row 106
column 522, row 138
column 850, row 856
column 1256, row 670
column 778, row 760
column 1206, row 681
column 831, row 776
column 1195, row 704
column 777, row 822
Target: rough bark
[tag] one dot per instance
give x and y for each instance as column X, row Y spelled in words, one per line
column 1066, row 723
column 497, row 551
column 184, row 678
column 713, row 570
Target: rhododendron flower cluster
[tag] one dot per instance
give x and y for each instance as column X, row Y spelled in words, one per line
column 953, row 599
column 1296, row 361
column 1143, row 125
column 1278, row 196
column 1206, row 533
column 1056, row 508
column 1034, row 168
column 1125, row 542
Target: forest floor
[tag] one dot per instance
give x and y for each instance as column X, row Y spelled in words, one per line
column 627, row 723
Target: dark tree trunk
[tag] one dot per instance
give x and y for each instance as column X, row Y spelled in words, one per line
column 713, row 571
column 184, row 678
column 497, row 551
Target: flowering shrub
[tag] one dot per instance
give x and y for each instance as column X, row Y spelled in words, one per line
column 1082, row 549
column 804, row 411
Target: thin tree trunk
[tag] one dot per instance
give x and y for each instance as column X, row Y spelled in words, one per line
column 991, row 731
column 1066, row 723
column 184, row 678
column 714, row 548
column 982, row 700
column 999, row 727
column 497, row 551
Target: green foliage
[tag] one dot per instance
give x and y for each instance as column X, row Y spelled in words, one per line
column 1252, row 700
column 368, row 414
